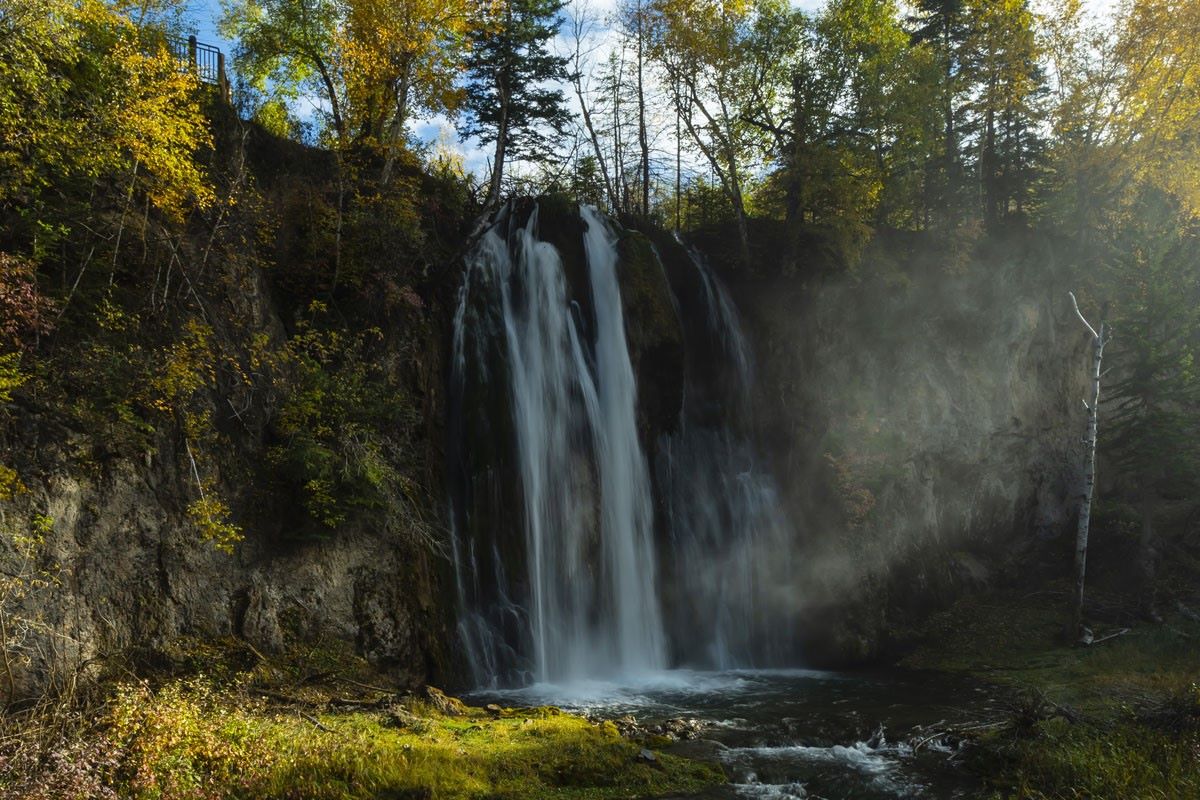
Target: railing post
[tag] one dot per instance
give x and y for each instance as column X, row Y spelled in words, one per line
column 192, row 57
column 222, row 79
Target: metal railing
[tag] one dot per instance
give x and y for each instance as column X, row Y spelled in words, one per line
column 206, row 61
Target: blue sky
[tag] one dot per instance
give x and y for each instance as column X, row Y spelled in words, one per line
column 201, row 18
column 203, row 15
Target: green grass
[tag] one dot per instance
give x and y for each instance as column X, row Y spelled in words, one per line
column 186, row 740
column 1119, row 759
column 223, row 722
column 1135, row 731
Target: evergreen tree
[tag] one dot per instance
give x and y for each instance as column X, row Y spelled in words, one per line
column 1153, row 407
column 510, row 100
column 1004, row 82
column 878, row 111
column 942, row 27
column 587, row 184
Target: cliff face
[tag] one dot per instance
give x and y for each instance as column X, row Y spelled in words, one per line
column 131, row 575
column 122, row 571
column 244, row 391
column 923, row 420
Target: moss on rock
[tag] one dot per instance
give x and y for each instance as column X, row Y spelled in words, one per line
column 654, row 332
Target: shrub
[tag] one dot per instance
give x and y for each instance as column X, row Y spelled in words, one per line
column 342, row 426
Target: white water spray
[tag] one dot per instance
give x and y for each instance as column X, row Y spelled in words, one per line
column 731, row 543
column 590, row 606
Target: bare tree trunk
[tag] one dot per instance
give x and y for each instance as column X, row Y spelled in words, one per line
column 621, row 185
column 722, row 159
column 950, row 156
column 643, row 137
column 580, row 24
column 335, row 107
column 121, row 225
column 394, row 135
column 1099, row 339
column 678, row 172
column 493, row 195
column 609, row 192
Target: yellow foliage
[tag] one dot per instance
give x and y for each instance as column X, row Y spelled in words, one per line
column 373, row 62
column 188, row 741
column 86, row 94
column 158, row 129
column 402, row 54
column 212, row 516
column 1159, row 120
column 11, row 376
column 187, row 368
column 10, row 484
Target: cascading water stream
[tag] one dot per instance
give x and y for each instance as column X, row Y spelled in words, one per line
column 560, row 576
column 730, row 542
column 626, row 514
column 587, row 604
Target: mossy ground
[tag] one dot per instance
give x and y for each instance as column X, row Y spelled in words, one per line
column 278, row 731
column 1118, row 719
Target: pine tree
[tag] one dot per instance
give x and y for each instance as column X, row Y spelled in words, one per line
column 510, row 101
column 1004, row 82
column 1153, row 437
column 942, row 26
column 879, row 118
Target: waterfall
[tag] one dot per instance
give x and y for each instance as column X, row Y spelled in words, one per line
column 531, row 374
column 626, row 517
column 559, row 572
column 731, row 544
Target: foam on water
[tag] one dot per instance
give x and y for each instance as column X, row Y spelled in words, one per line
column 790, row 734
column 879, row 763
column 772, row 791
column 650, row 689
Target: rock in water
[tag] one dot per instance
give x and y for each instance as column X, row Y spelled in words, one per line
column 681, row 729
column 629, row 727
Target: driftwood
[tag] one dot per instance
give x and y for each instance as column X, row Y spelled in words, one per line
column 350, row 702
column 315, row 677
column 1024, row 711
column 279, row 697
column 361, row 685
column 316, row 722
column 960, row 730
column 1121, row 632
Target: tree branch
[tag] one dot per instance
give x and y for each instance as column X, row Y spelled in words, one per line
column 1079, row 314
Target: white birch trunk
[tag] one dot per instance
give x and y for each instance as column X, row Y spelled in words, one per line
column 1099, row 339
